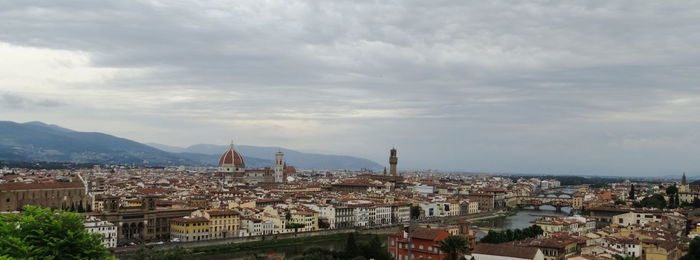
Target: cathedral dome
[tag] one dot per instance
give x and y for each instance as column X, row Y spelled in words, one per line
column 231, row 158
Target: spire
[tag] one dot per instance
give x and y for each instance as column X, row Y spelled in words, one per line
column 683, row 180
column 231, row 143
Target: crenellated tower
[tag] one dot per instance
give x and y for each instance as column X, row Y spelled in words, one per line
column 393, row 160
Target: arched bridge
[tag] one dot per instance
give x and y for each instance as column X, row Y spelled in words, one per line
column 536, row 202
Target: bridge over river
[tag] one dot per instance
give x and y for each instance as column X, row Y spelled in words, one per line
column 536, row 202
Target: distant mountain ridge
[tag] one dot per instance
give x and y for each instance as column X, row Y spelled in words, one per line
column 37, row 141
column 292, row 157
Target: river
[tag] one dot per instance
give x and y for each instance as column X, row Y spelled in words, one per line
column 523, row 218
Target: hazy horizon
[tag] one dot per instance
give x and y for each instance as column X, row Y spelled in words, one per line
column 605, row 88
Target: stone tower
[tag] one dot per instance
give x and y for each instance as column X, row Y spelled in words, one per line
column 683, row 180
column 392, row 162
column 279, row 168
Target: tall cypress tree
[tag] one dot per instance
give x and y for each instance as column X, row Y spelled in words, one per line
column 631, row 196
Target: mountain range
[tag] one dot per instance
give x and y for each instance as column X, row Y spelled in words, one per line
column 292, row 157
column 37, row 141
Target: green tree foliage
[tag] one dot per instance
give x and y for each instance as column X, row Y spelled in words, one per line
column 454, row 247
column 415, row 212
column 177, row 253
column 374, row 249
column 693, row 250
column 628, row 257
column 494, row 237
column 655, row 201
column 42, row 233
column 631, row 195
column 323, row 224
column 316, row 253
column 295, row 226
column 671, row 190
column 351, row 248
column 619, row 202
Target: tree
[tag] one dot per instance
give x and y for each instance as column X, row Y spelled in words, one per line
column 177, row 253
column 316, row 253
column 351, row 248
column 629, row 257
column 619, row 202
column 655, row 201
column 693, row 250
column 494, row 237
column 671, row 190
column 323, row 224
column 454, row 247
column 374, row 249
column 631, row 195
column 42, row 233
column 415, row 212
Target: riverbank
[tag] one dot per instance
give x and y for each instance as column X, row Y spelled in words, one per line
column 508, row 213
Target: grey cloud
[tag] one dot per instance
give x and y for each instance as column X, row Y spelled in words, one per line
column 13, row 101
column 531, row 85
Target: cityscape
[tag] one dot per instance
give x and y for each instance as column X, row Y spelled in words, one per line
column 162, row 208
column 349, row 130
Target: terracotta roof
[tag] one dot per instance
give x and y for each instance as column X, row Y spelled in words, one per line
column 231, row 157
column 37, row 186
column 190, row 220
column 223, row 213
column 505, row 250
column 427, row 233
column 290, row 170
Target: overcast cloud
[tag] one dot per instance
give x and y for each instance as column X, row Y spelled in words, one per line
column 563, row 87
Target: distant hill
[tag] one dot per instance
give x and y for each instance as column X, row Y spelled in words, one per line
column 292, row 157
column 37, row 141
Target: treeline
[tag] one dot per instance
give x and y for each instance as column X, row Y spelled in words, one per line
column 659, row 201
column 494, row 237
column 372, row 249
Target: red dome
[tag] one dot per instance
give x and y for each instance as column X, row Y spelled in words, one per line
column 231, row 158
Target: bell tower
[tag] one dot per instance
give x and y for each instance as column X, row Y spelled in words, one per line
column 279, row 167
column 392, row 161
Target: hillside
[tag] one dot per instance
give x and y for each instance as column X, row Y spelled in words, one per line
column 37, row 141
column 296, row 158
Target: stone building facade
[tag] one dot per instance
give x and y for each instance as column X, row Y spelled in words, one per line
column 56, row 195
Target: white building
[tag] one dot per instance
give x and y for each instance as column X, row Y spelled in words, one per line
column 324, row 212
column 105, row 228
column 638, row 218
column 382, row 215
column 361, row 213
column 430, row 209
column 257, row 227
column 425, row 189
column 620, row 246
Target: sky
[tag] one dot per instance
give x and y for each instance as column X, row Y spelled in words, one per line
column 555, row 87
